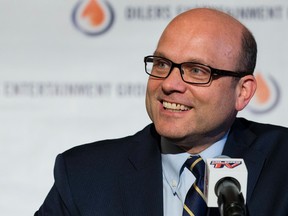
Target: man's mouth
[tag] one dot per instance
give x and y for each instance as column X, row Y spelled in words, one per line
column 175, row 107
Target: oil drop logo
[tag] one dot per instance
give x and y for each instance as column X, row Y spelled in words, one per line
column 267, row 95
column 93, row 17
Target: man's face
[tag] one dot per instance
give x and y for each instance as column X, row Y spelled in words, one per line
column 188, row 113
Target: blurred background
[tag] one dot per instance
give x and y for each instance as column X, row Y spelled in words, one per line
column 72, row 72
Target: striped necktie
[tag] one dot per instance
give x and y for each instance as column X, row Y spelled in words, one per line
column 194, row 202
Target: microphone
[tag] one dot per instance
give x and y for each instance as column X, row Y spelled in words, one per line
column 225, row 185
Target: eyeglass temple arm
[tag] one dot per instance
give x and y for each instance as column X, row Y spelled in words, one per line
column 230, row 73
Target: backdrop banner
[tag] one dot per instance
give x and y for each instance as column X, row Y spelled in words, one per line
column 72, row 72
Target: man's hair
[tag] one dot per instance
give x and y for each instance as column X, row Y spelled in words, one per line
column 248, row 54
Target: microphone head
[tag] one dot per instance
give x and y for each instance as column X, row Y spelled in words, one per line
column 221, row 168
column 225, row 182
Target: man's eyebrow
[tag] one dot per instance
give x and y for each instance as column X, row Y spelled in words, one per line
column 195, row 60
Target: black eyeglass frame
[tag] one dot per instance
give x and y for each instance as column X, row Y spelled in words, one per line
column 214, row 71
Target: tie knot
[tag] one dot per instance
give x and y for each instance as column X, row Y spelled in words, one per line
column 196, row 165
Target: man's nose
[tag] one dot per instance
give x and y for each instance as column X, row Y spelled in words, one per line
column 174, row 82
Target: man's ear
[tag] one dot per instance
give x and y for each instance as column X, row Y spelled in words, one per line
column 245, row 90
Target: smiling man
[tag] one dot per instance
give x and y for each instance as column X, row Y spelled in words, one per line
column 200, row 76
column 205, row 111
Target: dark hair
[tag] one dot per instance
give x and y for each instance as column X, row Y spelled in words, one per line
column 248, row 54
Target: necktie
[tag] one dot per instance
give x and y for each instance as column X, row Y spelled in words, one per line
column 194, row 202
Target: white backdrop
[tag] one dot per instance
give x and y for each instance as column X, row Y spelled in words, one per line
column 72, row 72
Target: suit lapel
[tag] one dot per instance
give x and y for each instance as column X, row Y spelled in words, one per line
column 142, row 188
column 240, row 145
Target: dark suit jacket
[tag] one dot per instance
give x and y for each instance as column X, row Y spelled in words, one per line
column 124, row 176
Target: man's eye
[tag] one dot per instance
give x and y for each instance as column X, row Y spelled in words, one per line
column 161, row 65
column 195, row 70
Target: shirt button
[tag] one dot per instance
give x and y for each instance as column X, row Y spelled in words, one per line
column 174, row 183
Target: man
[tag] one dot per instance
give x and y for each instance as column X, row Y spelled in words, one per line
column 201, row 75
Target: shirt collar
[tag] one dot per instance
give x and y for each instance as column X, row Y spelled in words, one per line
column 173, row 162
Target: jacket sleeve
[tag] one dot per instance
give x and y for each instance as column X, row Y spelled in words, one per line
column 59, row 200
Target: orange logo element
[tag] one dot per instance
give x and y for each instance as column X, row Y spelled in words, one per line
column 93, row 17
column 94, row 13
column 263, row 94
column 267, row 95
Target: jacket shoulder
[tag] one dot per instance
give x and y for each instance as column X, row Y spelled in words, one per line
column 259, row 128
column 110, row 148
column 267, row 138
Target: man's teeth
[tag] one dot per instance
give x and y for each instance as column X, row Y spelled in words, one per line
column 174, row 106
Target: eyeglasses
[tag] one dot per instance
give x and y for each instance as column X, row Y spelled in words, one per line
column 191, row 72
